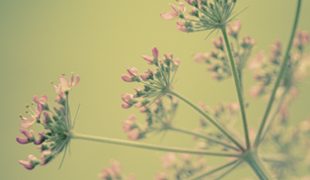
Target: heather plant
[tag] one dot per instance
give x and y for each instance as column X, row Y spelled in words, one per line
column 276, row 149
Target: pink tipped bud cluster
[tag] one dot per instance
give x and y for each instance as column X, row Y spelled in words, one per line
column 226, row 114
column 294, row 150
column 158, row 118
column 265, row 69
column 217, row 60
column 113, row 173
column 55, row 122
column 202, row 14
column 157, row 82
column 183, row 166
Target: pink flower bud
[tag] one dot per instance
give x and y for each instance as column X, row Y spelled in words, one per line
column 40, row 139
column 181, row 26
column 27, row 122
column 234, row 28
column 28, row 165
column 46, row 156
column 125, row 105
column 218, row 43
column 134, row 134
column 126, row 78
column 133, row 71
column 128, row 98
column 22, row 140
column 155, row 53
column 169, row 160
column 148, row 59
column 27, row 134
column 146, row 75
column 129, row 123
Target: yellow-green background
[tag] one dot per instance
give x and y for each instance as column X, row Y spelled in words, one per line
column 98, row 39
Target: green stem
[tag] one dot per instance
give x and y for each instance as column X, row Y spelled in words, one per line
column 238, row 87
column 273, row 117
column 283, row 69
column 229, row 170
column 204, row 174
column 147, row 146
column 211, row 120
column 256, row 166
column 184, row 131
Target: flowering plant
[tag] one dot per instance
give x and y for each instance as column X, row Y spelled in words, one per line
column 50, row 126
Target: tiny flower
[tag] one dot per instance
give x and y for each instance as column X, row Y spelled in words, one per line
column 247, row 42
column 147, row 75
column 131, row 76
column 234, row 28
column 302, row 38
column 218, row 43
column 169, row 160
column 30, row 163
column 134, row 134
column 129, row 123
column 127, row 78
column 174, row 12
column 155, row 53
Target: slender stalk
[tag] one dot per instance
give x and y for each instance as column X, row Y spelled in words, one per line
column 147, row 146
column 256, row 166
column 220, row 168
column 283, row 69
column 184, row 131
column 211, row 120
column 238, row 85
column 273, row 117
column 229, row 170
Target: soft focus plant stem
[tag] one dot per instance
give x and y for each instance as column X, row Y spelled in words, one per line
column 147, row 146
column 211, row 120
column 256, row 166
column 282, row 72
column 238, row 85
column 184, row 131
column 218, row 169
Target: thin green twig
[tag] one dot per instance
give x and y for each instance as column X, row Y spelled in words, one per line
column 282, row 72
column 238, row 85
column 148, row 146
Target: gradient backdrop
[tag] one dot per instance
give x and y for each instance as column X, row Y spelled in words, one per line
column 39, row 40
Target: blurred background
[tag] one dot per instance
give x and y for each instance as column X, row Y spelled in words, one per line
column 39, row 40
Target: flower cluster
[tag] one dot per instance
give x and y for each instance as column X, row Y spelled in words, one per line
column 55, row 122
column 291, row 149
column 114, row 173
column 151, row 98
column 204, row 15
column 226, row 113
column 158, row 118
column 266, row 68
column 180, row 166
column 217, row 60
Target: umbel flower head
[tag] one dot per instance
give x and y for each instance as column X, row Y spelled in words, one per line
column 153, row 98
column 54, row 124
column 159, row 117
column 265, row 69
column 156, row 83
column 204, row 15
